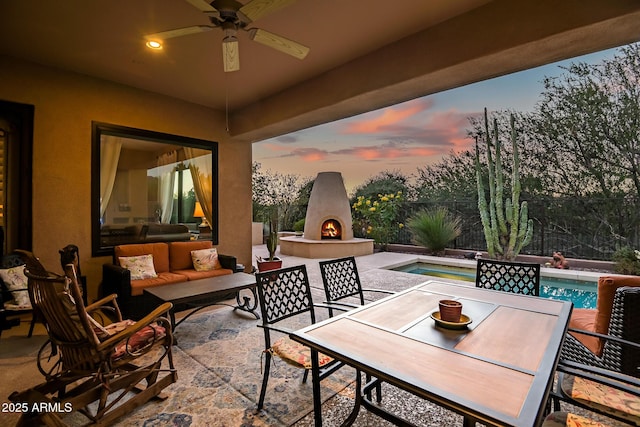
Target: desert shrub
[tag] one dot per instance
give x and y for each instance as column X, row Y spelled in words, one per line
column 434, row 228
column 627, row 261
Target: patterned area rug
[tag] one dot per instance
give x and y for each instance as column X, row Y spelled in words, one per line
column 219, row 360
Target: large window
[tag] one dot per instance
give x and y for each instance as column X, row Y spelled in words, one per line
column 151, row 187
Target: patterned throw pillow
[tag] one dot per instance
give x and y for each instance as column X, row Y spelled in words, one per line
column 16, row 282
column 205, row 259
column 141, row 267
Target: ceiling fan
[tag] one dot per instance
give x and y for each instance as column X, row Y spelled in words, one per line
column 231, row 16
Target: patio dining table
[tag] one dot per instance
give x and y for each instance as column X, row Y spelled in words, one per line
column 497, row 370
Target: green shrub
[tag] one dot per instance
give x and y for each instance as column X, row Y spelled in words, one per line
column 627, row 261
column 434, row 229
column 378, row 216
column 298, row 225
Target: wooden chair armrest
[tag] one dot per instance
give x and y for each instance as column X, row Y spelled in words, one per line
column 101, row 302
column 108, row 305
column 157, row 315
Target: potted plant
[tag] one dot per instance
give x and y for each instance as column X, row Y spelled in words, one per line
column 272, row 262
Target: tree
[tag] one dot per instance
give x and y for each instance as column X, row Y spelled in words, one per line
column 588, row 122
column 449, row 179
column 588, row 125
column 384, row 182
column 274, row 194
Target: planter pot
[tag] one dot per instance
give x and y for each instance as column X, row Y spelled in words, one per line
column 450, row 311
column 269, row 265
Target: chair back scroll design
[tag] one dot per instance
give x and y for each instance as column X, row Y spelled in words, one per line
column 284, row 293
column 98, row 366
column 341, row 279
column 517, row 277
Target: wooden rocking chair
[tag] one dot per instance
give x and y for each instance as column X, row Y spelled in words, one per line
column 93, row 369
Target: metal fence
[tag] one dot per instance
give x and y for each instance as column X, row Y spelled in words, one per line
column 581, row 228
column 589, row 229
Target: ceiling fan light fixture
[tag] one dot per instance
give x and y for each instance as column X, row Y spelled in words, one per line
column 154, row 44
column 230, row 54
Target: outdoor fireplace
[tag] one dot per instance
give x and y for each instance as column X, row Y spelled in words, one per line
column 328, row 228
column 331, row 229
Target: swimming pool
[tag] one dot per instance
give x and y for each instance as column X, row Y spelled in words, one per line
column 582, row 293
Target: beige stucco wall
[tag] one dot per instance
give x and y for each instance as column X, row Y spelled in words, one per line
column 65, row 105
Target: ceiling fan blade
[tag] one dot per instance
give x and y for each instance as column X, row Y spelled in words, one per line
column 278, row 42
column 204, row 6
column 179, row 32
column 256, row 9
column 230, row 54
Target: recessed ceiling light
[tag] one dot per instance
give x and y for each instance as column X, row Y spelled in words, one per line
column 154, row 44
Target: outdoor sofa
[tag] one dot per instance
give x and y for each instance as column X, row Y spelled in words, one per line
column 173, row 263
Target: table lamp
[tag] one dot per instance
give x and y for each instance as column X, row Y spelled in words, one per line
column 199, row 213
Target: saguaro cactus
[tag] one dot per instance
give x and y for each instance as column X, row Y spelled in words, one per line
column 506, row 226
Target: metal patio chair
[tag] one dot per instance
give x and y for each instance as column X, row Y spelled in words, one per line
column 509, row 276
column 614, row 383
column 620, row 355
column 286, row 294
column 341, row 280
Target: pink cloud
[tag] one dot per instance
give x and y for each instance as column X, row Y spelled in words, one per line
column 388, row 117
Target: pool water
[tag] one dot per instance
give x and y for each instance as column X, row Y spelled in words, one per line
column 581, row 293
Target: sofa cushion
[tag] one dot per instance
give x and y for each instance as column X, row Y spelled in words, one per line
column 160, row 252
column 598, row 320
column 585, row 320
column 205, row 259
column 141, row 267
column 607, row 286
column 180, row 253
column 164, row 278
column 16, row 282
column 196, row 275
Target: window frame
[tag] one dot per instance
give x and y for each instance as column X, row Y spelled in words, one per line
column 98, row 129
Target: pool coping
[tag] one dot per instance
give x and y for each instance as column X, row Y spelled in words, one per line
column 587, row 276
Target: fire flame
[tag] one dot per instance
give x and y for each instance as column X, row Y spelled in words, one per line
column 329, row 229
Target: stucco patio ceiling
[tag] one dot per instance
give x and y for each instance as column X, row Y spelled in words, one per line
column 365, row 54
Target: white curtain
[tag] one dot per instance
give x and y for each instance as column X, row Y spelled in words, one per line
column 200, row 165
column 110, row 147
column 166, row 184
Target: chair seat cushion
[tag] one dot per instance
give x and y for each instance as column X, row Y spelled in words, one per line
column 296, row 354
column 602, row 397
column 138, row 286
column 197, row 275
column 567, row 419
column 142, row 339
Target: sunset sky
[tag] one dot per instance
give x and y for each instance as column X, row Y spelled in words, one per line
column 406, row 136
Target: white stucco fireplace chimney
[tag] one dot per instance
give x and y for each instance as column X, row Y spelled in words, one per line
column 328, row 228
column 329, row 212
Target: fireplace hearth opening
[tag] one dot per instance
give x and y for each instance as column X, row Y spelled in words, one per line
column 331, row 229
